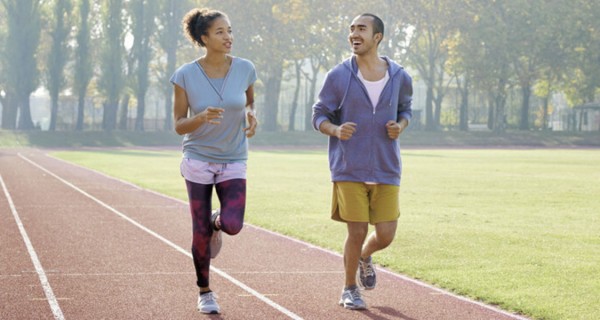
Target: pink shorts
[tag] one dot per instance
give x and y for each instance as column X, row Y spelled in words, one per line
column 198, row 171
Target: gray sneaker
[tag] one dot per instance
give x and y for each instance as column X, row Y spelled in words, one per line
column 366, row 274
column 207, row 303
column 352, row 300
column 216, row 240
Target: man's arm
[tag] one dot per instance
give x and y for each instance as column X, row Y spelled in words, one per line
column 342, row 132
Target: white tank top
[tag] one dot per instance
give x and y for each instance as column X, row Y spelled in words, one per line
column 374, row 88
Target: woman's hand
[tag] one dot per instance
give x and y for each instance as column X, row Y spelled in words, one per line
column 250, row 130
column 211, row 115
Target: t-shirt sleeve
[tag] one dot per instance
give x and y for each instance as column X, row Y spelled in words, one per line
column 178, row 78
column 251, row 75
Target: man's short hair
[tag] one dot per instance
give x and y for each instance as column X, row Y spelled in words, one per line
column 377, row 23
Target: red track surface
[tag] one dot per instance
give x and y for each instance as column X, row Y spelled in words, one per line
column 110, row 250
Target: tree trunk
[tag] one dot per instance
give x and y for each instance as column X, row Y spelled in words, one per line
column 25, row 122
column 526, row 91
column 123, row 115
column 292, row 117
column 272, row 90
column 464, row 107
column 311, row 94
column 109, row 119
column 80, row 112
column 141, row 111
column 53, row 113
column 500, row 124
column 438, row 111
column 429, row 120
column 545, row 111
column 491, row 105
column 9, row 112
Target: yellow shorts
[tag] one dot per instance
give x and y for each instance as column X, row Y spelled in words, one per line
column 361, row 202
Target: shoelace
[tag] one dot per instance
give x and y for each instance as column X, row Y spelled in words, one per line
column 367, row 268
column 355, row 294
column 208, row 297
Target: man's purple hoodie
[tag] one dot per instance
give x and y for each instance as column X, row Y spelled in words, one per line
column 369, row 155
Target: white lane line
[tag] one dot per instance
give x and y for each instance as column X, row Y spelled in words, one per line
column 169, row 243
column 403, row 277
column 56, row 311
column 311, row 246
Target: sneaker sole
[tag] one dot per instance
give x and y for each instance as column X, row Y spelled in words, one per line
column 209, row 312
column 352, row 307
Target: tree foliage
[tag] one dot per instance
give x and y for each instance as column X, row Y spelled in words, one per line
column 83, row 61
column 58, row 57
column 111, row 80
column 23, row 37
column 499, row 58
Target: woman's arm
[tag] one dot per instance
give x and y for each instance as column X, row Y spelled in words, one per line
column 183, row 124
column 250, row 113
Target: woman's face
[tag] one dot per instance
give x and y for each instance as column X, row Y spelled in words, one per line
column 219, row 37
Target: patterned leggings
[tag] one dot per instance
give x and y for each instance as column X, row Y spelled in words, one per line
column 232, row 196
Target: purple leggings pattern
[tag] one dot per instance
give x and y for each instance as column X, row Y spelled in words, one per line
column 232, row 196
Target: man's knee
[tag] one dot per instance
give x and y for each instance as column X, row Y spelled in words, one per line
column 385, row 239
column 357, row 231
column 385, row 233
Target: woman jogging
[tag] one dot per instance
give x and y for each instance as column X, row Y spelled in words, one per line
column 214, row 98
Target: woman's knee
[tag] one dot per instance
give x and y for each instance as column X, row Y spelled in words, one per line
column 232, row 228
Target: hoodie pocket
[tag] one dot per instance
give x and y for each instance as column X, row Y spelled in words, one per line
column 356, row 153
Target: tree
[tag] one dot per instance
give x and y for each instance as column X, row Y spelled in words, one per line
column 111, row 79
column 83, row 61
column 143, row 15
column 556, row 35
column 3, row 73
column 58, row 56
column 260, row 40
column 584, row 56
column 427, row 51
column 486, row 42
column 169, row 34
column 23, row 17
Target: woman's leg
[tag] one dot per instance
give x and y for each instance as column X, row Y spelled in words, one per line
column 200, row 205
column 232, row 196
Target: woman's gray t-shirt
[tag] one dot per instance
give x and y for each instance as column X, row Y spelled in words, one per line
column 218, row 143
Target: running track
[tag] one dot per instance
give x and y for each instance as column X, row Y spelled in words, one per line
column 75, row 244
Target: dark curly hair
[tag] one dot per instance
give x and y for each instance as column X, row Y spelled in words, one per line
column 197, row 22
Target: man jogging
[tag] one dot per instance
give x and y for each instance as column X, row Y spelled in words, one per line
column 364, row 106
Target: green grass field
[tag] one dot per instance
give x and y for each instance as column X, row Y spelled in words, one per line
column 516, row 228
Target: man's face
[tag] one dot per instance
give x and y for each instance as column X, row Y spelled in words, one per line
column 362, row 38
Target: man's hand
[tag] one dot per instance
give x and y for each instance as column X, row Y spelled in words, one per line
column 345, row 130
column 394, row 129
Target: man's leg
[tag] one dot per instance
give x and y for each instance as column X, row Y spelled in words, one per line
column 379, row 239
column 357, row 232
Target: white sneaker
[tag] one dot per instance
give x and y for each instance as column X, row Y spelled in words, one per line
column 351, row 299
column 207, row 303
